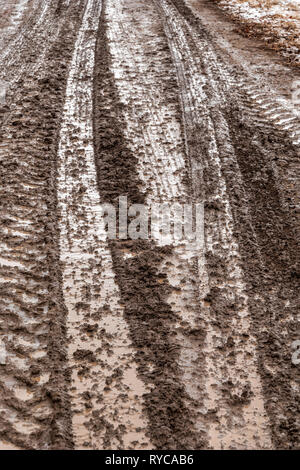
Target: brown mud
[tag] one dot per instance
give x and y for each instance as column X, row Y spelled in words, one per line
column 34, row 402
column 280, row 35
column 249, row 53
column 212, row 368
column 265, row 225
column 143, row 288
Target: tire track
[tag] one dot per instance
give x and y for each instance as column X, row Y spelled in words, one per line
column 139, row 265
column 152, row 131
column 33, row 399
column 264, row 109
column 26, row 52
column 260, row 222
column 234, row 397
column 31, row 39
column 106, row 394
column 141, row 344
column 12, row 23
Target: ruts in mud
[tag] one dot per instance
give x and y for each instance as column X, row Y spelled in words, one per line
column 138, row 344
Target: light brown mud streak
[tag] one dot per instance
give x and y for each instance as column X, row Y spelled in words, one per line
column 34, row 411
column 249, row 284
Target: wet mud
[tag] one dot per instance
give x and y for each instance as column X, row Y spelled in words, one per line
column 143, row 344
column 34, row 402
column 144, row 289
column 265, row 222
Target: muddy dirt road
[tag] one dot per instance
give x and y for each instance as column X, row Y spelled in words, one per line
column 155, row 343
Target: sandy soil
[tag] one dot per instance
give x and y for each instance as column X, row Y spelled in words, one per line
column 146, row 344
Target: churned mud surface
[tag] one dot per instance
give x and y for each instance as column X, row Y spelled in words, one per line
column 276, row 22
column 158, row 343
column 250, row 53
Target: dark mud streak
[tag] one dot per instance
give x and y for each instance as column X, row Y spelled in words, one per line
column 40, row 120
column 143, row 288
column 265, row 228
